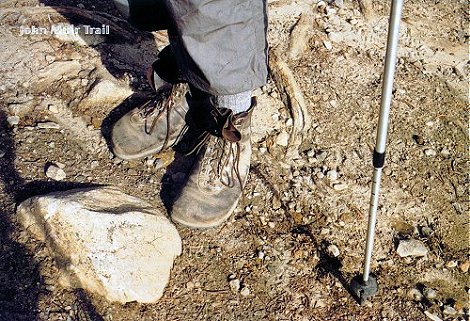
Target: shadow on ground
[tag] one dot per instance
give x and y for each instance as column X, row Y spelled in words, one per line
column 20, row 281
column 21, row 284
column 327, row 265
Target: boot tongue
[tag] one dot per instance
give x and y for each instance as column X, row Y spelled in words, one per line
column 230, row 132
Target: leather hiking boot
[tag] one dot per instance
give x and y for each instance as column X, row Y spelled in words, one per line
column 152, row 127
column 157, row 124
column 218, row 176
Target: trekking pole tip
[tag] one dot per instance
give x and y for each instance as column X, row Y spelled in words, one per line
column 364, row 290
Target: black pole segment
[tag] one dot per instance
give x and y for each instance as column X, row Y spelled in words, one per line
column 378, row 159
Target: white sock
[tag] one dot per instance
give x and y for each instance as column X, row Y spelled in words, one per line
column 238, row 102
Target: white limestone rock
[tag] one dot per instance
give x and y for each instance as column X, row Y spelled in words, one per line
column 106, row 92
column 105, row 241
column 412, row 248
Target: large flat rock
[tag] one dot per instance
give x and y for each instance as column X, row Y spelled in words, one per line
column 105, row 241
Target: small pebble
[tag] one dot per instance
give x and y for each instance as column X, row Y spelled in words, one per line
column 283, row 139
column 94, row 164
column 234, row 285
column 448, row 310
column 332, row 175
column 245, row 291
column 426, row 231
column 430, row 152
column 452, row 264
column 190, row 285
column 333, row 103
column 415, row 294
column 418, row 139
column 262, row 150
column 321, row 156
column 261, row 255
column 311, row 153
column 430, row 294
column 48, row 125
column 333, row 250
column 319, row 303
column 55, row 172
column 353, row 21
column 53, row 109
column 50, row 58
column 320, row 175
column 2, row 153
column 327, row 44
column 276, row 204
column 411, row 248
column 445, row 152
column 61, row 165
column 340, row 187
column 13, row 120
column 432, row 316
column 464, row 266
column 339, row 3
column 330, row 11
column 289, row 122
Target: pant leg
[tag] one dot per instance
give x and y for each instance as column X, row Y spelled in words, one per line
column 147, row 15
column 220, row 45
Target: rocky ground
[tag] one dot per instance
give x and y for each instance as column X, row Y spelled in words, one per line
column 297, row 236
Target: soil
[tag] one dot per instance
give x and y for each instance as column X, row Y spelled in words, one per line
column 278, row 243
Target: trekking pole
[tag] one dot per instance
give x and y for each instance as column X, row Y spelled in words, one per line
column 365, row 286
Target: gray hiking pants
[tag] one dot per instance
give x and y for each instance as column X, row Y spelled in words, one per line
column 220, row 45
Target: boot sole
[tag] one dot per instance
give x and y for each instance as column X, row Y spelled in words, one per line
column 140, row 155
column 210, row 225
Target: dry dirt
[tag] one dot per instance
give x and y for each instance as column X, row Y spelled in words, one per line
column 66, row 95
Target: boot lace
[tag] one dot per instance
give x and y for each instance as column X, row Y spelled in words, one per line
column 156, row 108
column 221, row 161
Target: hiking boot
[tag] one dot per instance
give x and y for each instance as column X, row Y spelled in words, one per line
column 218, row 176
column 157, row 124
column 152, row 127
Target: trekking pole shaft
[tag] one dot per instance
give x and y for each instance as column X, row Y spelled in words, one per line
column 390, row 62
column 374, row 202
column 379, row 152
